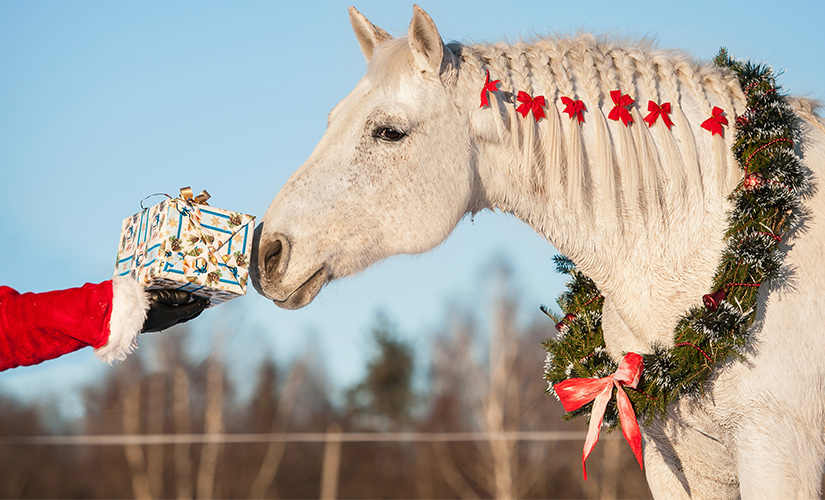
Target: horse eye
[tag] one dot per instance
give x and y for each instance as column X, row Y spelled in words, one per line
column 388, row 134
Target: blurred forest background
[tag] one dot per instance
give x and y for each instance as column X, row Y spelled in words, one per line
column 469, row 419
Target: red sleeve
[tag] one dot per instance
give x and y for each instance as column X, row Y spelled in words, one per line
column 35, row 327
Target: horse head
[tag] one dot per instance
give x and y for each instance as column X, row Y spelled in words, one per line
column 392, row 174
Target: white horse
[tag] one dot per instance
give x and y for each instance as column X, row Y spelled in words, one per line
column 640, row 210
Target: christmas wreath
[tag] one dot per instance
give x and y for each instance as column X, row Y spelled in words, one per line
column 766, row 206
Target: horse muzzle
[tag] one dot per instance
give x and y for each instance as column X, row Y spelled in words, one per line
column 269, row 272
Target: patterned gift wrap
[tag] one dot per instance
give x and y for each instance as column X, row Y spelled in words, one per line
column 188, row 246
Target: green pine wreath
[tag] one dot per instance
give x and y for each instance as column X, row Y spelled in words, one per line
column 766, row 206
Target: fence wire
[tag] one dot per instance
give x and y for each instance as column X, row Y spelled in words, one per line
column 296, row 437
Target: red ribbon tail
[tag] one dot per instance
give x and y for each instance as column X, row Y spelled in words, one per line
column 626, row 118
column 630, row 427
column 538, row 111
column 666, row 110
column 596, row 418
column 484, row 101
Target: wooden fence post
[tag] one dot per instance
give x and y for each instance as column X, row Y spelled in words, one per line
column 331, row 464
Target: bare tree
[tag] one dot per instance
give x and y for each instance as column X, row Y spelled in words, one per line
column 134, row 452
column 183, row 425
column 155, row 417
column 491, row 383
column 213, row 424
column 275, row 451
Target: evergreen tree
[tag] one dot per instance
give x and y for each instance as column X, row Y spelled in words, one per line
column 386, row 392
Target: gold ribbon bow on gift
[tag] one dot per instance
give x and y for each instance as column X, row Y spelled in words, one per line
column 186, row 195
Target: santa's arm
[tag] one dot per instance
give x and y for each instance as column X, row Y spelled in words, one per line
column 35, row 327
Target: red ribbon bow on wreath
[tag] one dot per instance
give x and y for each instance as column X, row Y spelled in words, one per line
column 619, row 111
column 528, row 103
column 577, row 392
column 715, row 122
column 488, row 87
column 655, row 111
column 573, row 108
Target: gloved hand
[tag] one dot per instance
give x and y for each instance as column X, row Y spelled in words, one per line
column 170, row 307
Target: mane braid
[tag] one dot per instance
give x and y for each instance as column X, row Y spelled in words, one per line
column 527, row 125
column 570, row 133
column 604, row 158
column 479, row 62
column 690, row 184
column 638, row 160
column 714, row 186
column 504, row 73
column 552, row 161
column 576, row 158
column 672, row 168
column 644, row 78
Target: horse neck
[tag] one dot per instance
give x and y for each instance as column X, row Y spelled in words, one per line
column 640, row 210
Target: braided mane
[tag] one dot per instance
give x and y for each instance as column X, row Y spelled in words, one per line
column 603, row 167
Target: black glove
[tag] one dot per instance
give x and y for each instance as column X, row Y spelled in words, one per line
column 170, row 307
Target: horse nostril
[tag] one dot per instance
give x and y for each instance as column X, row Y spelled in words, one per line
column 273, row 258
column 273, row 255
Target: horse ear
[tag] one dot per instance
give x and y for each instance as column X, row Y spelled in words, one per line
column 425, row 42
column 368, row 34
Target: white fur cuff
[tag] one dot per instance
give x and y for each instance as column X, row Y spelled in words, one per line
column 129, row 306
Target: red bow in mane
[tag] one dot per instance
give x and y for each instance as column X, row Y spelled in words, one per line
column 573, row 108
column 577, row 392
column 656, row 111
column 619, row 111
column 715, row 122
column 528, row 103
column 488, row 87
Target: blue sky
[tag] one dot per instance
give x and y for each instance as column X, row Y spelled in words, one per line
column 103, row 103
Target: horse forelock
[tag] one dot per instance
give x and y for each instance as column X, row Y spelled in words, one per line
column 391, row 63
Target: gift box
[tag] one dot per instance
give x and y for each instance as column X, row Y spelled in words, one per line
column 184, row 243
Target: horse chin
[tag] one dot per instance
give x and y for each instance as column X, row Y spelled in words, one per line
column 306, row 292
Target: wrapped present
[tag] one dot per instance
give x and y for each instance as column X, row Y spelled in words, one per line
column 186, row 244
